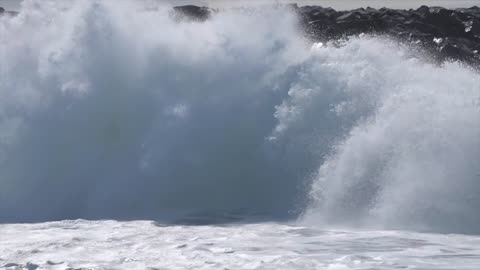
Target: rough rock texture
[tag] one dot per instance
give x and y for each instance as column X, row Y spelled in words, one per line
column 452, row 34
column 444, row 33
column 192, row 12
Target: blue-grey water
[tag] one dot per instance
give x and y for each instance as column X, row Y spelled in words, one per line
column 244, row 145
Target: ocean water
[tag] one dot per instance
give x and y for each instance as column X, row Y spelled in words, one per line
column 241, row 144
column 145, row 245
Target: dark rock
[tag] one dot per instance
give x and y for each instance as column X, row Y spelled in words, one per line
column 457, row 48
column 192, row 12
column 421, row 27
column 446, row 21
column 473, row 26
column 312, row 13
column 435, row 9
column 354, row 26
column 453, row 51
column 423, row 10
column 350, row 16
column 444, row 33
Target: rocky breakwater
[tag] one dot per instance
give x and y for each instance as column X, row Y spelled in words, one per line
column 447, row 33
column 191, row 12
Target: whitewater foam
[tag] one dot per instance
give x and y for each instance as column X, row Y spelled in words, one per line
column 412, row 161
column 144, row 245
column 115, row 110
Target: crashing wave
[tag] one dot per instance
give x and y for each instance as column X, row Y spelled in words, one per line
column 118, row 110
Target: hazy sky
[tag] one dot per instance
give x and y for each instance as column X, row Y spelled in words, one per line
column 337, row 4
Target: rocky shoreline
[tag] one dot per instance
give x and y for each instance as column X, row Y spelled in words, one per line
column 448, row 34
column 444, row 33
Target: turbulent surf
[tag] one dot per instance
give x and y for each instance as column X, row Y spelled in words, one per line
column 120, row 110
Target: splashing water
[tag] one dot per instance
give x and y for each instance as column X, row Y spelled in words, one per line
column 117, row 110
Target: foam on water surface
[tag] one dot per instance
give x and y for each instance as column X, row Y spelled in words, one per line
column 145, row 245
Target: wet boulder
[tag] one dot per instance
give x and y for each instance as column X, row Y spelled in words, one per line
column 191, row 12
column 445, row 20
column 450, row 34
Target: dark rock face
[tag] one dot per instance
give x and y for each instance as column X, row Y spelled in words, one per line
column 447, row 34
column 444, row 33
column 191, row 12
